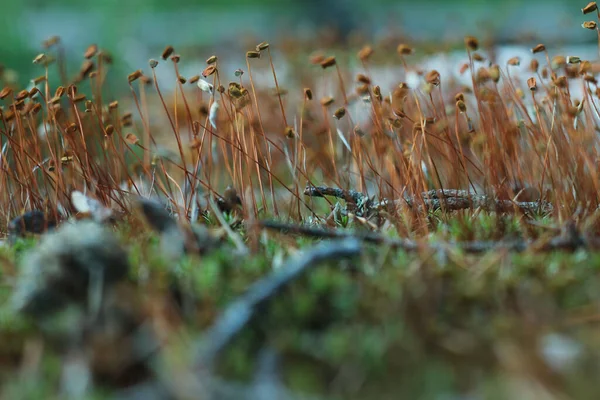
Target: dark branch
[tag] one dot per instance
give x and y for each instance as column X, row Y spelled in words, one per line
column 351, row 196
column 570, row 240
column 237, row 315
column 445, row 199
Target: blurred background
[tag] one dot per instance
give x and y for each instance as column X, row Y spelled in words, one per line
column 134, row 30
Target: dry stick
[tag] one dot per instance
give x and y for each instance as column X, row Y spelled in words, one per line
column 167, row 192
column 208, row 165
column 359, row 160
column 164, row 104
column 229, row 108
column 482, row 116
column 331, row 145
column 62, row 64
column 83, row 142
column 34, row 181
column 300, row 153
column 598, row 32
column 37, row 146
column 58, row 182
column 548, row 143
column 3, row 161
column 459, row 144
column 277, row 87
column 52, row 116
column 349, row 195
column 446, row 152
column 378, row 176
column 506, row 114
column 249, row 114
column 254, row 145
column 110, row 171
column 175, row 131
column 358, row 145
column 404, row 244
column 255, row 148
column 352, row 153
column 264, row 135
column 571, row 241
column 97, row 88
column 233, row 145
column 198, row 161
column 460, row 156
column 21, row 169
column 185, row 103
column 238, row 132
column 424, row 138
column 238, row 314
column 448, row 199
column 342, row 87
column 267, row 142
column 103, row 128
column 117, row 125
column 17, row 149
column 441, row 139
column 234, row 236
column 147, row 136
column 178, row 134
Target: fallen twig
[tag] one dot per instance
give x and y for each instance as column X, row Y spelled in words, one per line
column 241, row 311
column 316, row 232
column 447, row 199
column 348, row 195
column 570, row 240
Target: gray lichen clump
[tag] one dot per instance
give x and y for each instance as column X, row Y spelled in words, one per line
column 66, row 266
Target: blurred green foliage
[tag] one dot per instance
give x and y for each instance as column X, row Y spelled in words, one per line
column 111, row 23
